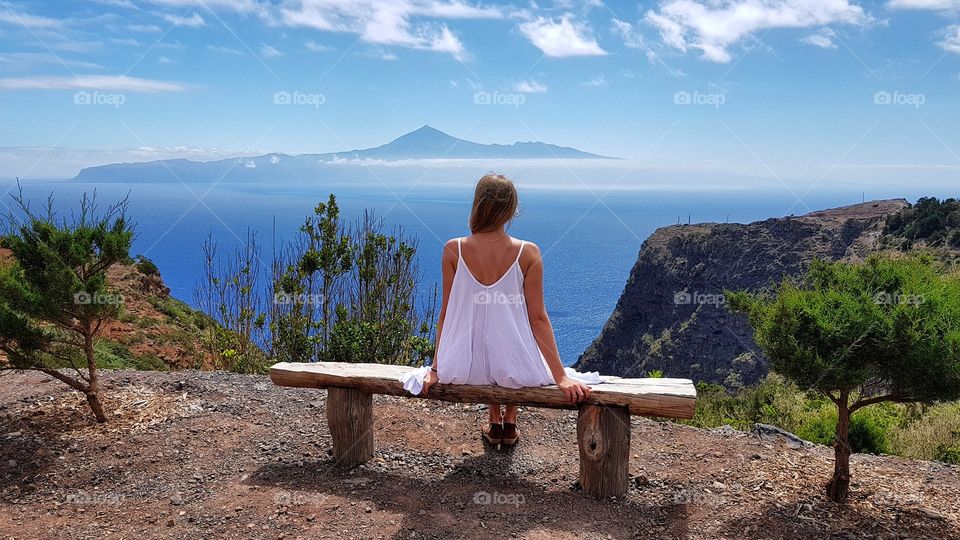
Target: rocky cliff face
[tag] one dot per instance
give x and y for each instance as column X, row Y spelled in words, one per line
column 671, row 315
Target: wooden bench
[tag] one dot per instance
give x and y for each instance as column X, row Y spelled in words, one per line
column 603, row 424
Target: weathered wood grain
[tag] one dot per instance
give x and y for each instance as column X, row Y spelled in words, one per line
column 603, row 436
column 669, row 398
column 350, row 418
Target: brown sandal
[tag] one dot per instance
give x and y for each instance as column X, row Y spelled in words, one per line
column 493, row 433
column 510, row 434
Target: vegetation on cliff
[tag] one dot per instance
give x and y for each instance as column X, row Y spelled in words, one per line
column 930, row 221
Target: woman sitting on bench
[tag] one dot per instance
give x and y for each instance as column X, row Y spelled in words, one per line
column 493, row 322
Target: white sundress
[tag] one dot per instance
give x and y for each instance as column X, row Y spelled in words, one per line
column 486, row 338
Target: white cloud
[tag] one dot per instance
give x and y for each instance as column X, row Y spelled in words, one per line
column 193, row 21
column 596, row 81
column 712, row 26
column 951, row 39
column 529, row 87
column 120, row 83
column 633, row 39
column 24, row 61
column 225, row 49
column 239, row 6
column 27, row 20
column 560, row 38
column 822, row 39
column 144, row 28
column 269, row 51
column 316, row 47
column 933, row 5
column 388, row 22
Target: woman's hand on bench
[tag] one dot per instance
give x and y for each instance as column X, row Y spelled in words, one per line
column 428, row 381
column 573, row 389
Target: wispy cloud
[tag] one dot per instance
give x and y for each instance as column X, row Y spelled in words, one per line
column 713, row 27
column 10, row 16
column 529, row 87
column 822, row 39
column 316, row 47
column 119, row 83
column 930, row 5
column 32, row 60
column 389, row 22
column 193, row 21
column 269, row 51
column 596, row 81
column 560, row 38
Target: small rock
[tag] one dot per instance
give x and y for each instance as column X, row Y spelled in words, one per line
column 176, row 499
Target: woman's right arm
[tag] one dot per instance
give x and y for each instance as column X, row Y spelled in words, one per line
column 448, row 265
column 542, row 328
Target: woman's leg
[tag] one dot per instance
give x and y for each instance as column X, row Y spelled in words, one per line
column 510, row 417
column 495, row 416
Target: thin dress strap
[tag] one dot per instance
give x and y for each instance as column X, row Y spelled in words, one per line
column 522, row 243
column 459, row 255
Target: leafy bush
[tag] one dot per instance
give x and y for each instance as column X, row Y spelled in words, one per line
column 146, row 266
column 930, row 220
column 929, row 432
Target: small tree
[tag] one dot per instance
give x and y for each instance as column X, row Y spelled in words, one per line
column 887, row 329
column 54, row 297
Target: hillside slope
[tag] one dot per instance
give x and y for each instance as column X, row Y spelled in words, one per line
column 201, row 455
column 671, row 317
column 155, row 330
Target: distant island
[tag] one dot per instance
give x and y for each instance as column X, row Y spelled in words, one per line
column 424, row 143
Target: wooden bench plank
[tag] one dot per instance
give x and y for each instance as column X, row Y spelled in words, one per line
column 669, row 398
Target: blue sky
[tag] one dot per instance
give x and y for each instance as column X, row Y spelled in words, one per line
column 792, row 89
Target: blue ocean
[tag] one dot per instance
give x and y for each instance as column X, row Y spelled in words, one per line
column 590, row 239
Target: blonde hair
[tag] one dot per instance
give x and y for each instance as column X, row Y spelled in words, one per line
column 495, row 202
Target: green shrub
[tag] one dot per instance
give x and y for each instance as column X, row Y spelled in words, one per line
column 146, row 266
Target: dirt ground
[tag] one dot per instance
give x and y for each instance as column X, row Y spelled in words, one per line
column 210, row 455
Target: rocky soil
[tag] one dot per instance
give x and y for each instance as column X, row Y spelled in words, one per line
column 201, row 455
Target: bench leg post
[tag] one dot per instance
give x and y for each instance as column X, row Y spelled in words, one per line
column 350, row 417
column 603, row 435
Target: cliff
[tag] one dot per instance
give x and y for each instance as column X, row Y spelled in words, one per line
column 671, row 314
